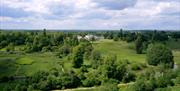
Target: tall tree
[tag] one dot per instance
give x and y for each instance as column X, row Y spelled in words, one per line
column 139, row 44
column 78, row 56
column 44, row 32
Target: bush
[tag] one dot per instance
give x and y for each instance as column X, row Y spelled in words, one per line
column 153, row 79
column 158, row 54
column 138, row 66
column 4, row 79
column 96, row 59
column 129, row 77
column 64, row 51
column 92, row 79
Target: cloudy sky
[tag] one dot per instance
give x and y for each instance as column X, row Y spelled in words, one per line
column 90, row 14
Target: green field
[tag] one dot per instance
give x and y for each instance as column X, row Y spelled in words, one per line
column 24, row 61
column 26, row 64
column 121, row 49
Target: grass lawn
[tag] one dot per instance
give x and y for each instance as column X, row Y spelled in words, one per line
column 27, row 64
column 121, row 49
column 24, row 61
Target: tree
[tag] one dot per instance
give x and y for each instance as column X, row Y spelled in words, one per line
column 139, row 44
column 30, row 88
column 159, row 54
column 159, row 36
column 120, row 34
column 78, row 56
column 64, row 51
column 10, row 47
column 96, row 58
column 44, row 32
column 92, row 79
column 18, row 87
column 114, row 69
column 69, row 80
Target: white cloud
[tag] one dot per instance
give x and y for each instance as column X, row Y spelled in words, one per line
column 90, row 14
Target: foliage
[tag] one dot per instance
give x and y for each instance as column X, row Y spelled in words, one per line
column 78, row 56
column 159, row 54
column 64, row 51
column 154, row 79
column 96, row 59
column 113, row 69
column 92, row 79
column 139, row 44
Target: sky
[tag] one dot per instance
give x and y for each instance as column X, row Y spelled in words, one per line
column 90, row 14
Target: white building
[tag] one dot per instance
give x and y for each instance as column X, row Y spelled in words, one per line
column 90, row 37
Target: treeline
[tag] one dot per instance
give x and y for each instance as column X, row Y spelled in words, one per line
column 36, row 41
column 142, row 38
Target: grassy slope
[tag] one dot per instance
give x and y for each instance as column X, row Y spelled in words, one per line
column 121, row 49
column 24, row 61
column 34, row 62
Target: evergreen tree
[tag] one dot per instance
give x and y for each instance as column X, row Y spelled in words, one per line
column 78, row 56
column 139, row 44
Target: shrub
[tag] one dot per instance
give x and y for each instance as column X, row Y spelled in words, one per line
column 159, row 53
column 92, row 79
column 138, row 66
column 129, row 76
column 4, row 79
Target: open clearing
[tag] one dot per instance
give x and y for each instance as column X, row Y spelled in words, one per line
column 24, row 61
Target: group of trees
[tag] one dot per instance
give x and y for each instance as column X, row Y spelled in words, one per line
column 36, row 41
column 110, row 71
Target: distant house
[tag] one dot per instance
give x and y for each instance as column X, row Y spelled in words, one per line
column 79, row 37
column 90, row 37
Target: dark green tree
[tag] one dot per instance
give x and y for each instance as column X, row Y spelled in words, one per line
column 159, row 54
column 44, row 32
column 78, row 56
column 139, row 44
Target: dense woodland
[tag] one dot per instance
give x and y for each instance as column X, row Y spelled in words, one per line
column 89, row 67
